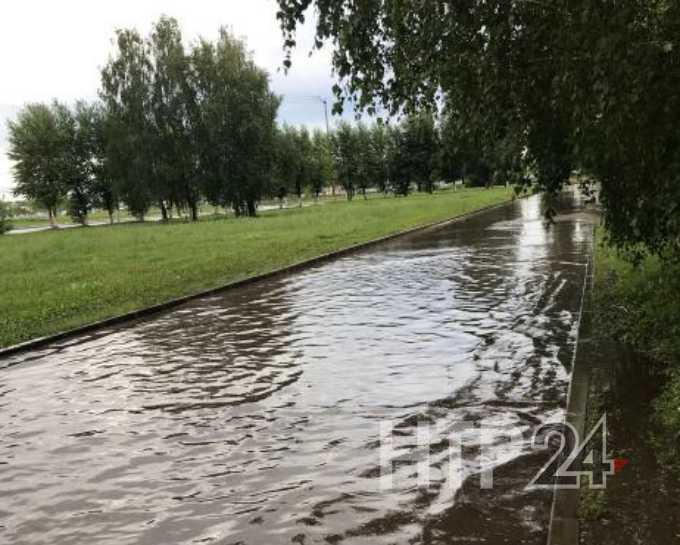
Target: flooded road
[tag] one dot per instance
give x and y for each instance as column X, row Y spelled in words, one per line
column 256, row 417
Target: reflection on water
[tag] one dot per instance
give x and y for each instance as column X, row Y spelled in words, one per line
column 254, row 417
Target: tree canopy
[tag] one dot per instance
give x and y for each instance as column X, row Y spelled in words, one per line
column 39, row 141
column 560, row 86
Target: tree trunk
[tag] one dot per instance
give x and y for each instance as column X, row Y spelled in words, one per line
column 164, row 211
column 50, row 215
column 110, row 216
column 252, row 209
column 194, row 211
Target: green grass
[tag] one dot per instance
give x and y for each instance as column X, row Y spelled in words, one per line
column 55, row 280
column 205, row 211
column 640, row 305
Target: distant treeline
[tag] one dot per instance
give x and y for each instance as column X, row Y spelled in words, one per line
column 177, row 127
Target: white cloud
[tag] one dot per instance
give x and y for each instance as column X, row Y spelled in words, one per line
column 54, row 49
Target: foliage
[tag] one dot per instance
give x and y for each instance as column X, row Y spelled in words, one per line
column 38, row 142
column 302, row 162
column 346, row 150
column 322, row 171
column 637, row 304
column 544, row 87
column 103, row 191
column 82, row 179
column 125, row 93
column 5, row 216
column 295, row 161
column 176, row 127
column 172, row 128
column 378, row 166
column 417, row 151
column 174, row 176
column 234, row 119
column 667, row 416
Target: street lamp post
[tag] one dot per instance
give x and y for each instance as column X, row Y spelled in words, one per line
column 328, row 134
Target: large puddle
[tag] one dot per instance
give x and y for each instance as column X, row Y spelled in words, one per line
column 295, row 410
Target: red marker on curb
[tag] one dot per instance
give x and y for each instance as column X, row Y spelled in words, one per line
column 619, row 464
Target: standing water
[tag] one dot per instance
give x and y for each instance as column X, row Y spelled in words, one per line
column 292, row 410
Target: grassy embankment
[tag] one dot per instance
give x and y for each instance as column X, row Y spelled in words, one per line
column 56, row 280
column 638, row 309
column 641, row 307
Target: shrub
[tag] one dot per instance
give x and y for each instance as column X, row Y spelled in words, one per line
column 5, row 215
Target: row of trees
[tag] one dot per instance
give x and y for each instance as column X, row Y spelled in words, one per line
column 413, row 154
column 359, row 157
column 174, row 128
column 84, row 157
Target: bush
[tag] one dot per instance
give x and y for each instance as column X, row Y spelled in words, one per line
column 5, row 215
column 638, row 304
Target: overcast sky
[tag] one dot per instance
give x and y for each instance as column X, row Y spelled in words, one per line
column 55, row 49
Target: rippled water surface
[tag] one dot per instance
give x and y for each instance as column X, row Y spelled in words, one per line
column 255, row 417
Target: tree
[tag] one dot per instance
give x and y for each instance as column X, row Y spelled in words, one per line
column 81, row 179
column 463, row 154
column 37, row 143
column 287, row 161
column 346, row 150
column 176, row 180
column 103, row 190
column 378, row 165
column 420, row 148
column 366, row 160
column 233, row 123
column 5, row 217
column 322, row 173
column 126, row 93
column 305, row 159
column 300, row 162
column 413, row 154
column 557, row 85
column 399, row 162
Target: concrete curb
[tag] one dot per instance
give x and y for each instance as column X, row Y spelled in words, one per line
column 301, row 265
column 564, row 523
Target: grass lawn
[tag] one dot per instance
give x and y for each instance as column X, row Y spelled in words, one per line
column 55, row 280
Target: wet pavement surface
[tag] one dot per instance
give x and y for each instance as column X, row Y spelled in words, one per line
column 295, row 410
